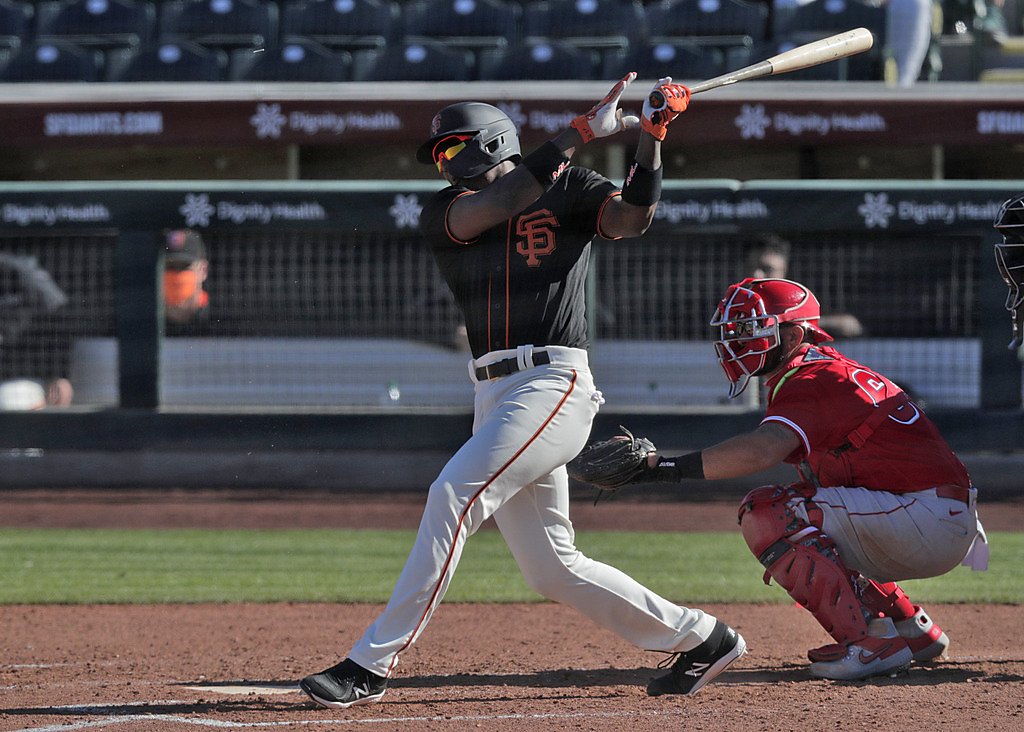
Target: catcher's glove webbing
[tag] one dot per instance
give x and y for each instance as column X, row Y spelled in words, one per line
column 612, row 463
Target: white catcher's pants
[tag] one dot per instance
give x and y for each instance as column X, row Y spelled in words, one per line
column 892, row 537
column 526, row 427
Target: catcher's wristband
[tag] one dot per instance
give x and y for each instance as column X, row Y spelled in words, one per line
column 671, row 470
column 642, row 186
column 546, row 163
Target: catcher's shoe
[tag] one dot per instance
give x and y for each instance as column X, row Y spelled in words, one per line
column 925, row 638
column 693, row 669
column 344, row 685
column 883, row 652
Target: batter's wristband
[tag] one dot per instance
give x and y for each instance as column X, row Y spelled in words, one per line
column 546, row 163
column 643, row 186
column 685, row 467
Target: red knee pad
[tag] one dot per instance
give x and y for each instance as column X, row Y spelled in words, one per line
column 802, row 559
column 770, row 516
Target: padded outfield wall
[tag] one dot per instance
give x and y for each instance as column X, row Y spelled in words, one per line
column 332, row 338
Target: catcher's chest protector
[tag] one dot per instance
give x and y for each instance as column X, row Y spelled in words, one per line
column 803, row 560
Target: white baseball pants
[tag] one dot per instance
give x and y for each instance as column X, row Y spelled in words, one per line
column 526, row 427
column 890, row 537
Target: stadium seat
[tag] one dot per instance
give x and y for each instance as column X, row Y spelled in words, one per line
column 347, row 24
column 223, row 24
column 473, row 24
column 598, row 24
column 15, row 23
column 53, row 62
column 99, row 23
column 820, row 18
column 183, row 61
column 719, row 23
column 678, row 59
column 539, row 60
column 296, row 60
column 413, row 59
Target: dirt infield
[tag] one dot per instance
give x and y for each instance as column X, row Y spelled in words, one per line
column 492, row 667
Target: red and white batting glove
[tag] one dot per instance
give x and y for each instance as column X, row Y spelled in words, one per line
column 605, row 118
column 664, row 103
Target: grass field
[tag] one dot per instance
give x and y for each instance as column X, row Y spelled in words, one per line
column 160, row 566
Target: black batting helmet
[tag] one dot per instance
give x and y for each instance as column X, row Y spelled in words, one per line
column 1010, row 260
column 489, row 136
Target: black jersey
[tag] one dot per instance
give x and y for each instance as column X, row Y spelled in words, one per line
column 522, row 282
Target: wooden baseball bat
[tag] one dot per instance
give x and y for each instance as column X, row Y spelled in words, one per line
column 841, row 45
column 810, row 54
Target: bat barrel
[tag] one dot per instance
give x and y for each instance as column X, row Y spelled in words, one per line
column 814, row 53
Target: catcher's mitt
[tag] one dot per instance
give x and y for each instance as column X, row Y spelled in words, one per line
column 612, row 463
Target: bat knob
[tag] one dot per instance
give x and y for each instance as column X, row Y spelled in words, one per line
column 656, row 99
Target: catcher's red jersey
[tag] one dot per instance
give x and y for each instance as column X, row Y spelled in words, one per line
column 834, row 403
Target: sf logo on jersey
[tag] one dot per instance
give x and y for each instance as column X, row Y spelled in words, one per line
column 538, row 240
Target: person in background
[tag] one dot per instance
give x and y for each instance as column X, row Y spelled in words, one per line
column 27, row 293
column 909, row 24
column 186, row 268
column 769, row 258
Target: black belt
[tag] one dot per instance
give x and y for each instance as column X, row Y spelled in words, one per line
column 509, row 366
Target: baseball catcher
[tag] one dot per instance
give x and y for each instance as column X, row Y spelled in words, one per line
column 880, row 498
column 1010, row 260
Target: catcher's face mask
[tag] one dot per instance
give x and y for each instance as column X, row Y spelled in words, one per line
column 1010, row 261
column 746, row 335
column 748, row 320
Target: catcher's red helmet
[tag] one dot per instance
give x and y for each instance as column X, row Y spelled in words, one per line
column 748, row 319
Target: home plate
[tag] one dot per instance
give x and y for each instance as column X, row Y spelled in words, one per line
column 245, row 689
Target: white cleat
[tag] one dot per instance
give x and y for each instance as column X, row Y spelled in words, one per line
column 881, row 653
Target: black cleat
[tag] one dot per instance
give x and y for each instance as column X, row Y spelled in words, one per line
column 341, row 686
column 693, row 669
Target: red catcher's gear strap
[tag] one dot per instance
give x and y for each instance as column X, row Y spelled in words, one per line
column 803, row 560
column 886, row 598
column 885, row 408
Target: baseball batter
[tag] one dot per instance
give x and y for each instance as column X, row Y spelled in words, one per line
column 511, row 235
column 882, row 497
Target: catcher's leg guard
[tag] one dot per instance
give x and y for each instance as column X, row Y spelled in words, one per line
column 802, row 559
column 879, row 599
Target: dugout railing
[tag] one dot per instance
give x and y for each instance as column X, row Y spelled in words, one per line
column 330, row 330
